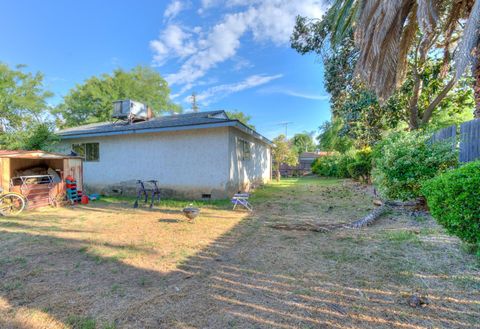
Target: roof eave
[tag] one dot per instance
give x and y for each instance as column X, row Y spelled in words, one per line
column 230, row 123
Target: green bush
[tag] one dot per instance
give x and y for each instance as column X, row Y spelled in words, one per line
column 361, row 167
column 403, row 160
column 454, row 200
column 332, row 165
column 325, row 166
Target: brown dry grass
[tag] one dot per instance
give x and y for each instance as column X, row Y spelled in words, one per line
column 109, row 266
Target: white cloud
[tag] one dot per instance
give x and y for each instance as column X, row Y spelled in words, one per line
column 173, row 9
column 294, row 93
column 268, row 21
column 173, row 41
column 215, row 93
column 241, row 63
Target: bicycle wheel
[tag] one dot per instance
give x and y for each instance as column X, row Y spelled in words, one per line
column 11, row 204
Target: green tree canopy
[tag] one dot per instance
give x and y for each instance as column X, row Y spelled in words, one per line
column 242, row 117
column 283, row 152
column 304, row 142
column 330, row 138
column 23, row 99
column 93, row 100
column 24, row 110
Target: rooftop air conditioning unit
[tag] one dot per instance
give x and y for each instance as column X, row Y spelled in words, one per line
column 130, row 110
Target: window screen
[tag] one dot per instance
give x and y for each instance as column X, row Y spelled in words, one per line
column 244, row 149
column 89, row 151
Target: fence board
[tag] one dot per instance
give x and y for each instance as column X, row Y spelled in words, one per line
column 446, row 133
column 470, row 141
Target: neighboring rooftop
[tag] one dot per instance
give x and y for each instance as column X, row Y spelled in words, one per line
column 314, row 155
column 193, row 120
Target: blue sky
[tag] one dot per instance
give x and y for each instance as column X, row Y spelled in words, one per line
column 235, row 54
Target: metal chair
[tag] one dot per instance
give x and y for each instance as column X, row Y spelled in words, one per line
column 242, row 200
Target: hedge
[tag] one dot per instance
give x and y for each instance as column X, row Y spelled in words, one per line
column 454, row 200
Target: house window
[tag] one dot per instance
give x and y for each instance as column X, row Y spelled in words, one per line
column 89, row 151
column 244, row 149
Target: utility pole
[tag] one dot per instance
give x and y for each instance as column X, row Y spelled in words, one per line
column 194, row 102
column 286, row 127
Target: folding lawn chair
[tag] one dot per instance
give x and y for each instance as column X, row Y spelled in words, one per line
column 242, row 200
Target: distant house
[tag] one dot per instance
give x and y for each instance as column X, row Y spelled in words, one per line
column 304, row 166
column 192, row 155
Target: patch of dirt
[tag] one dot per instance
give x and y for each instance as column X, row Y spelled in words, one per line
column 110, row 266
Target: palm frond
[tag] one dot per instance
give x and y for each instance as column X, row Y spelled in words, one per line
column 378, row 35
column 408, row 37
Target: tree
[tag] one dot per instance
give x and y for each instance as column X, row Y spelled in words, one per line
column 394, row 36
column 242, row 117
column 283, row 152
column 93, row 100
column 303, row 142
column 414, row 58
column 330, row 138
column 39, row 136
column 23, row 99
column 23, row 110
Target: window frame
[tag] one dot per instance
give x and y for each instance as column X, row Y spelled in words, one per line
column 244, row 148
column 86, row 150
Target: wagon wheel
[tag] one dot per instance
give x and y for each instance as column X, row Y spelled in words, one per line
column 11, row 204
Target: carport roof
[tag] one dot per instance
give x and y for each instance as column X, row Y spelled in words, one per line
column 37, row 154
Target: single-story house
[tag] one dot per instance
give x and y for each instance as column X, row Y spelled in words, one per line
column 193, row 155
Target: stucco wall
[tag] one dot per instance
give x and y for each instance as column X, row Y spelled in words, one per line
column 245, row 173
column 186, row 163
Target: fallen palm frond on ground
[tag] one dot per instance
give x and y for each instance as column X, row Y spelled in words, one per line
column 369, row 219
column 324, row 228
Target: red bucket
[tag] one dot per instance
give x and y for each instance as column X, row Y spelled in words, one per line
column 84, row 199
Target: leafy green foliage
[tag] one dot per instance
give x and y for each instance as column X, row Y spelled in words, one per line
column 242, row 117
column 355, row 109
column 404, row 160
column 23, row 108
column 283, row 152
column 333, row 165
column 303, row 142
column 22, row 98
column 330, row 138
column 454, row 200
column 352, row 164
column 39, row 136
column 361, row 167
column 93, row 100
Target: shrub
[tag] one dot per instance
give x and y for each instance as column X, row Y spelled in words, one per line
column 325, row 166
column 403, row 160
column 332, row 165
column 361, row 166
column 454, row 200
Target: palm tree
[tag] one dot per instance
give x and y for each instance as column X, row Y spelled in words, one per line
column 387, row 32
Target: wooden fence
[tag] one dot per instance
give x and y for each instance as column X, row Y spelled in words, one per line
column 469, row 143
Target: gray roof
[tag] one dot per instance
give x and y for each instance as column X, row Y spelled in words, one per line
column 186, row 121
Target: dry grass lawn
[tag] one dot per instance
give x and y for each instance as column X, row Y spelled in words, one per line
column 107, row 265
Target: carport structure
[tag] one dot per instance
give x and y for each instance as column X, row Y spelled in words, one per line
column 39, row 189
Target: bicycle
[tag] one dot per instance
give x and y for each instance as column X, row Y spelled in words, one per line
column 11, row 203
